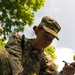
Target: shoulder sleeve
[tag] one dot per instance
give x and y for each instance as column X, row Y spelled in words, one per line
column 48, row 67
column 13, row 47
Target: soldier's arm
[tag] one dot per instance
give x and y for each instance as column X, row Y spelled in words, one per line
column 48, row 67
column 13, row 47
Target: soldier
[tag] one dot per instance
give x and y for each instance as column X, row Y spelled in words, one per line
column 26, row 56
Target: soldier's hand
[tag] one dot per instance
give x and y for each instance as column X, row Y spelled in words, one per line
column 68, row 69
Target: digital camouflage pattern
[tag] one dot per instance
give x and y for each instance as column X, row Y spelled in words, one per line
column 5, row 63
column 35, row 61
column 27, row 61
column 13, row 47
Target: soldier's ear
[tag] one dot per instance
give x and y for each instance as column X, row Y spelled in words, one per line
column 35, row 28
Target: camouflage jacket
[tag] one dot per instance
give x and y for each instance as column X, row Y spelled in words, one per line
column 29, row 61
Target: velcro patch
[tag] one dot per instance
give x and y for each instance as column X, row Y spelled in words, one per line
column 17, row 36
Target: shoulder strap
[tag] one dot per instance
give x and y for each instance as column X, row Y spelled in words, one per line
column 22, row 40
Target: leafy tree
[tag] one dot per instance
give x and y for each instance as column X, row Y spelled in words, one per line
column 2, row 45
column 74, row 57
column 15, row 14
column 51, row 51
column 1, row 31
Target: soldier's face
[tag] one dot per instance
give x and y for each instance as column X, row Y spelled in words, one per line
column 44, row 39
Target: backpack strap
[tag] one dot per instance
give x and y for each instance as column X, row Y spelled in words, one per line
column 22, row 38
column 23, row 42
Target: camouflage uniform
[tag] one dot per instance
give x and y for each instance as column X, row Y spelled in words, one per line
column 11, row 58
column 36, row 61
column 27, row 62
column 5, row 63
column 13, row 47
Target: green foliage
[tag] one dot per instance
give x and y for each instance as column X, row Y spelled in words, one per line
column 51, row 51
column 34, row 74
column 1, row 30
column 74, row 57
column 2, row 45
column 15, row 14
